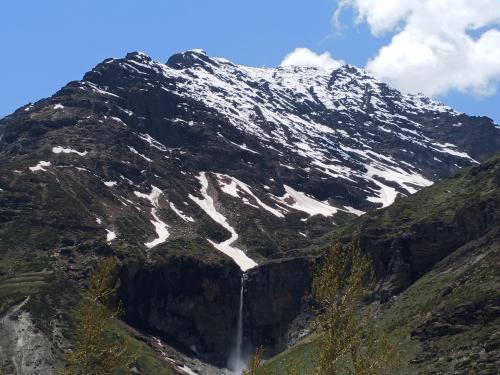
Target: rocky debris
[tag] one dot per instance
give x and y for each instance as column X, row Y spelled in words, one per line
column 466, row 319
column 23, row 348
column 459, row 319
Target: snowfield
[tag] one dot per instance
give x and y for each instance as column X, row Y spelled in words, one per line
column 161, row 228
column 207, row 204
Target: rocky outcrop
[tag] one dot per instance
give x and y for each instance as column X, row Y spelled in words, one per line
column 276, row 293
column 192, row 304
column 407, row 239
column 24, row 349
column 459, row 319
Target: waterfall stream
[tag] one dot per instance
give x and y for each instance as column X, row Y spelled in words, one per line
column 237, row 360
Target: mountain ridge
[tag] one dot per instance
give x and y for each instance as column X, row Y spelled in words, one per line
column 209, row 167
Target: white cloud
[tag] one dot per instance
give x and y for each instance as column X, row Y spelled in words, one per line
column 432, row 50
column 306, row 57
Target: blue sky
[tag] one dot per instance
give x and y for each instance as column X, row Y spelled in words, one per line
column 45, row 44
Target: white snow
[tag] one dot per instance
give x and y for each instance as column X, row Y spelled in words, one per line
column 161, row 230
column 153, row 197
column 207, row 204
column 181, row 214
column 160, row 227
column 110, row 236
column 97, row 89
column 450, row 148
column 110, row 183
column 386, row 196
column 354, row 211
column 187, row 370
column 232, row 186
column 398, row 175
column 98, row 220
column 138, row 153
column 380, row 166
column 59, row 149
column 40, row 166
column 326, row 147
column 152, row 142
column 129, row 181
column 58, row 106
column 301, row 202
column 244, row 147
column 229, row 187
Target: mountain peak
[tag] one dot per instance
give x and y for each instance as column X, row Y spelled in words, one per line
column 353, row 71
column 188, row 59
column 137, row 56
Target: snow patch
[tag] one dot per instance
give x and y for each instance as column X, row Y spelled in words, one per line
column 301, row 202
column 354, row 211
column 110, row 183
column 232, row 186
column 160, row 227
column 181, row 214
column 59, row 149
column 207, row 204
column 450, row 148
column 387, row 195
column 244, row 147
column 161, row 230
column 40, row 166
column 152, row 142
column 110, row 236
column 138, row 153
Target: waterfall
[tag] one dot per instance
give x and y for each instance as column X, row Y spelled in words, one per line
column 237, row 360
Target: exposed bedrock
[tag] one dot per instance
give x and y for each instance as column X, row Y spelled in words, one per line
column 275, row 296
column 186, row 301
column 403, row 258
column 194, row 304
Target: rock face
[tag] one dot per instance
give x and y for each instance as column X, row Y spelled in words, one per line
column 191, row 303
column 410, row 237
column 193, row 171
column 276, row 293
column 437, row 257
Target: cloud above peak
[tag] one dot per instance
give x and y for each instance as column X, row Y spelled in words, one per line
column 438, row 45
column 306, row 57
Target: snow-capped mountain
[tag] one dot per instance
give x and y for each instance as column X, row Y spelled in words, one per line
column 228, row 165
column 200, row 139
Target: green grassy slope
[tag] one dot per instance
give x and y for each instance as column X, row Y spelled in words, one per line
column 448, row 320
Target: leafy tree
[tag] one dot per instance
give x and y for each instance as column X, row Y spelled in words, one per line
column 255, row 365
column 348, row 342
column 97, row 350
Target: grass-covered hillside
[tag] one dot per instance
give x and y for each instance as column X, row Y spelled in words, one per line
column 445, row 243
column 407, row 238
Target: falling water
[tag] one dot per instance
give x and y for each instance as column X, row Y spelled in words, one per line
column 237, row 360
